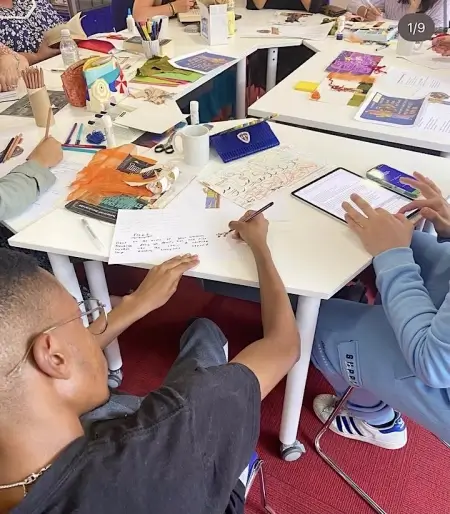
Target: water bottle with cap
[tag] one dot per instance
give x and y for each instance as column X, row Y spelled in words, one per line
column 68, row 48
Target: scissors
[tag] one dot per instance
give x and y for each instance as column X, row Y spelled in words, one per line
column 166, row 147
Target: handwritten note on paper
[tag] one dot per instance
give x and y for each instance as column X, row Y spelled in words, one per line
column 245, row 183
column 65, row 174
column 155, row 235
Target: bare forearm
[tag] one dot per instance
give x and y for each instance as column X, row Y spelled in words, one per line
column 119, row 319
column 142, row 13
column 30, row 57
column 271, row 357
column 260, row 3
column 277, row 317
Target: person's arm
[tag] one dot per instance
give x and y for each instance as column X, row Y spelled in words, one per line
column 422, row 331
column 158, row 286
column 144, row 9
column 362, row 8
column 312, row 6
column 22, row 186
column 436, row 13
column 273, row 356
column 259, row 4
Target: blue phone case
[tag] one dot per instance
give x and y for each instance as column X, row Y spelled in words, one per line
column 392, row 176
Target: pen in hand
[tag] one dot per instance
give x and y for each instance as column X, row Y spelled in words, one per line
column 254, row 214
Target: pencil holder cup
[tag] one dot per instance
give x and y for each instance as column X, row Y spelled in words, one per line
column 40, row 104
column 151, row 48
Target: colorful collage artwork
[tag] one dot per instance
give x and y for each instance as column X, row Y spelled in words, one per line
column 355, row 63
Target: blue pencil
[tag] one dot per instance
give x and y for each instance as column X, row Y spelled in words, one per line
column 81, row 150
column 80, row 133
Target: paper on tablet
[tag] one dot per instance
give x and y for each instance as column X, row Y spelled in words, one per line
column 330, row 191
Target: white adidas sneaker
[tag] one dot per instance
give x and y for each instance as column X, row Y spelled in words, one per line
column 392, row 437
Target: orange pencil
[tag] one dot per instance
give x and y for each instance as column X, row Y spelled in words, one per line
column 12, row 148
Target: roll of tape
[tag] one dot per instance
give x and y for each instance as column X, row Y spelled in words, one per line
column 174, row 173
column 160, row 186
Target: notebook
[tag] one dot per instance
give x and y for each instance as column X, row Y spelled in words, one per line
column 192, row 16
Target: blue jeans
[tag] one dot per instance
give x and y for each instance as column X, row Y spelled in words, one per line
column 355, row 345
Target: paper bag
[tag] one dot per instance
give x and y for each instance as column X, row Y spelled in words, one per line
column 74, row 84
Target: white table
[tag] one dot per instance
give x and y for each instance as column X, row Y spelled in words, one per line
column 296, row 108
column 315, row 261
column 239, row 48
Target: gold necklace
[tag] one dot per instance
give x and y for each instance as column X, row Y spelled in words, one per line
column 30, row 479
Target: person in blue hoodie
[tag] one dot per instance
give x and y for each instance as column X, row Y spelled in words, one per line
column 397, row 354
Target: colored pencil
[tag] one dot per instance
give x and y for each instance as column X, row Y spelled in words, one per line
column 69, row 137
column 49, row 117
column 249, row 124
column 80, row 133
column 145, row 31
column 12, row 148
column 6, row 150
column 78, row 149
column 95, row 147
column 141, row 32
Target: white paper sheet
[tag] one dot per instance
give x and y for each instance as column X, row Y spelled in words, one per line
column 435, row 118
column 430, row 59
column 412, row 83
column 151, row 117
column 65, row 173
column 8, row 96
column 154, row 236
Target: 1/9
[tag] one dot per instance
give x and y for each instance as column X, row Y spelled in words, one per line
column 416, row 28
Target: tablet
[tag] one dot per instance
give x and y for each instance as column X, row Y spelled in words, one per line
column 328, row 192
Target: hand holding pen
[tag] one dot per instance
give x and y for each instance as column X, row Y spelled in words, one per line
column 252, row 228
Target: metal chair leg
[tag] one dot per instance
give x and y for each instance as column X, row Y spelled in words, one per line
column 334, row 466
column 258, row 470
column 446, row 444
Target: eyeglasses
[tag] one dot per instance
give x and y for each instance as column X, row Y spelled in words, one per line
column 90, row 312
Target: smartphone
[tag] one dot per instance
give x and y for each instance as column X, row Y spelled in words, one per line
column 390, row 179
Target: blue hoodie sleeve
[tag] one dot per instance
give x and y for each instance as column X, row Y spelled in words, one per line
column 422, row 331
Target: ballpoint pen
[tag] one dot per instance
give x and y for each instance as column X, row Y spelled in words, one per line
column 254, row 214
column 92, row 234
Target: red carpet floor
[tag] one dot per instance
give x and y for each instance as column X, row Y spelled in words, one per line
column 414, row 480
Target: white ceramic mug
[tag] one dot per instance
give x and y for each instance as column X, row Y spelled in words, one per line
column 407, row 48
column 164, row 32
column 195, row 144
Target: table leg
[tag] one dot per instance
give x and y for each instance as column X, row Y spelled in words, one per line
column 95, row 275
column 65, row 272
column 306, row 315
column 241, row 88
column 272, row 62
